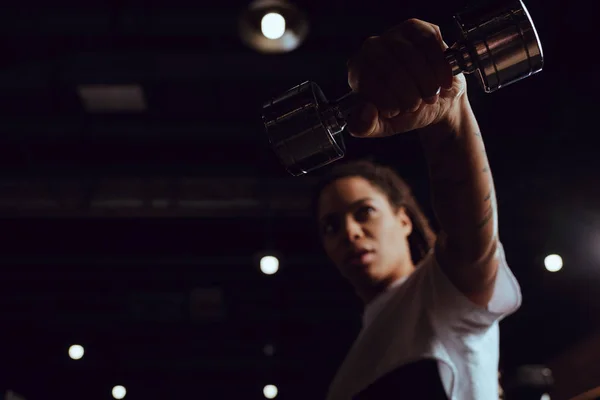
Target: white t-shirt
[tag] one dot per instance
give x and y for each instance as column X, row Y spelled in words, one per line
column 424, row 316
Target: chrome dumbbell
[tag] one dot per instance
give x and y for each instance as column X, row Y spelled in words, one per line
column 498, row 43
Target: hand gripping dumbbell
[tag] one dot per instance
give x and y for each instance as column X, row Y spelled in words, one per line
column 498, row 43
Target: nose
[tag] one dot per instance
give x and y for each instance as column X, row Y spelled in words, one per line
column 353, row 231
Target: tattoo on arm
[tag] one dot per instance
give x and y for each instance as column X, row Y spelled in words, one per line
column 489, row 196
column 489, row 214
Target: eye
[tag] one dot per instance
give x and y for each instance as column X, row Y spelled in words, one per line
column 329, row 227
column 364, row 212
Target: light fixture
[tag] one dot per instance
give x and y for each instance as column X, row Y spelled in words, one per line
column 553, row 263
column 76, row 352
column 270, row 391
column 269, row 265
column 119, row 392
column 273, row 26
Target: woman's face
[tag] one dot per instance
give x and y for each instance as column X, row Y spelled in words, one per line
column 361, row 232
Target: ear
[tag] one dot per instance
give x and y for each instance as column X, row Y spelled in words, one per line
column 405, row 221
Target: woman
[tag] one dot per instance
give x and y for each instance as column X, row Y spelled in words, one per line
column 432, row 305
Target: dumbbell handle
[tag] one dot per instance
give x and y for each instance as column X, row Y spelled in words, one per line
column 498, row 41
column 457, row 56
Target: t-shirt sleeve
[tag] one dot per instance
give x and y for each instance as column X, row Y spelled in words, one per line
column 450, row 304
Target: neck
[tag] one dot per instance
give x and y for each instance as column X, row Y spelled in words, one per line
column 378, row 286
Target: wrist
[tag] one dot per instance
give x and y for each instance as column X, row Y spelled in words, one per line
column 458, row 116
column 458, row 119
column 451, row 131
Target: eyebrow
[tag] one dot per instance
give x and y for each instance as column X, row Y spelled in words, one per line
column 357, row 202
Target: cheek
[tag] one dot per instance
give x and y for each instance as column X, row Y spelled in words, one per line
column 329, row 248
column 390, row 237
column 335, row 257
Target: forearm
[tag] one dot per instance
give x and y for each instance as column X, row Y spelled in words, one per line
column 461, row 184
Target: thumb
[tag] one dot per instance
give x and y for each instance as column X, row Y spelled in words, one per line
column 365, row 122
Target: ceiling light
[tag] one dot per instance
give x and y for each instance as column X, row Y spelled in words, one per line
column 273, row 26
column 553, row 263
column 270, row 391
column 76, row 352
column 269, row 265
column 119, row 392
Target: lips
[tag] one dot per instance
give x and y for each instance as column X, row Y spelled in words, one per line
column 360, row 257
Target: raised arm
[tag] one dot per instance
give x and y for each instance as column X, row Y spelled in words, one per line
column 408, row 85
column 464, row 202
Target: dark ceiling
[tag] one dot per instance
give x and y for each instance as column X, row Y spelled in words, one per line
column 137, row 234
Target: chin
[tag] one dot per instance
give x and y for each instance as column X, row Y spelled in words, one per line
column 380, row 273
column 373, row 272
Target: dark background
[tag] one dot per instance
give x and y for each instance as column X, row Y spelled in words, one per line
column 111, row 221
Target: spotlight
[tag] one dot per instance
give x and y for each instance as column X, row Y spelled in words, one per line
column 269, row 265
column 119, row 392
column 76, row 352
column 553, row 263
column 270, row 391
column 273, row 26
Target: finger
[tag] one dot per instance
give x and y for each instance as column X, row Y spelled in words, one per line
column 363, row 121
column 392, row 78
column 428, row 39
column 369, row 75
column 375, row 90
column 368, row 123
column 416, row 64
column 406, row 90
column 396, row 80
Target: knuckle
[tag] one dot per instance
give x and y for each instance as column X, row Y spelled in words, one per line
column 387, row 103
column 420, row 31
column 437, row 33
column 367, row 48
column 432, row 90
column 353, row 79
column 353, row 67
column 370, row 42
column 412, row 103
column 403, row 44
column 429, row 34
column 371, row 47
column 411, row 22
column 351, row 63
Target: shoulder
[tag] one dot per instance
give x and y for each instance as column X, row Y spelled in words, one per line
column 446, row 299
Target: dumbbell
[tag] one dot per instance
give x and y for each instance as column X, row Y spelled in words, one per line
column 498, row 43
